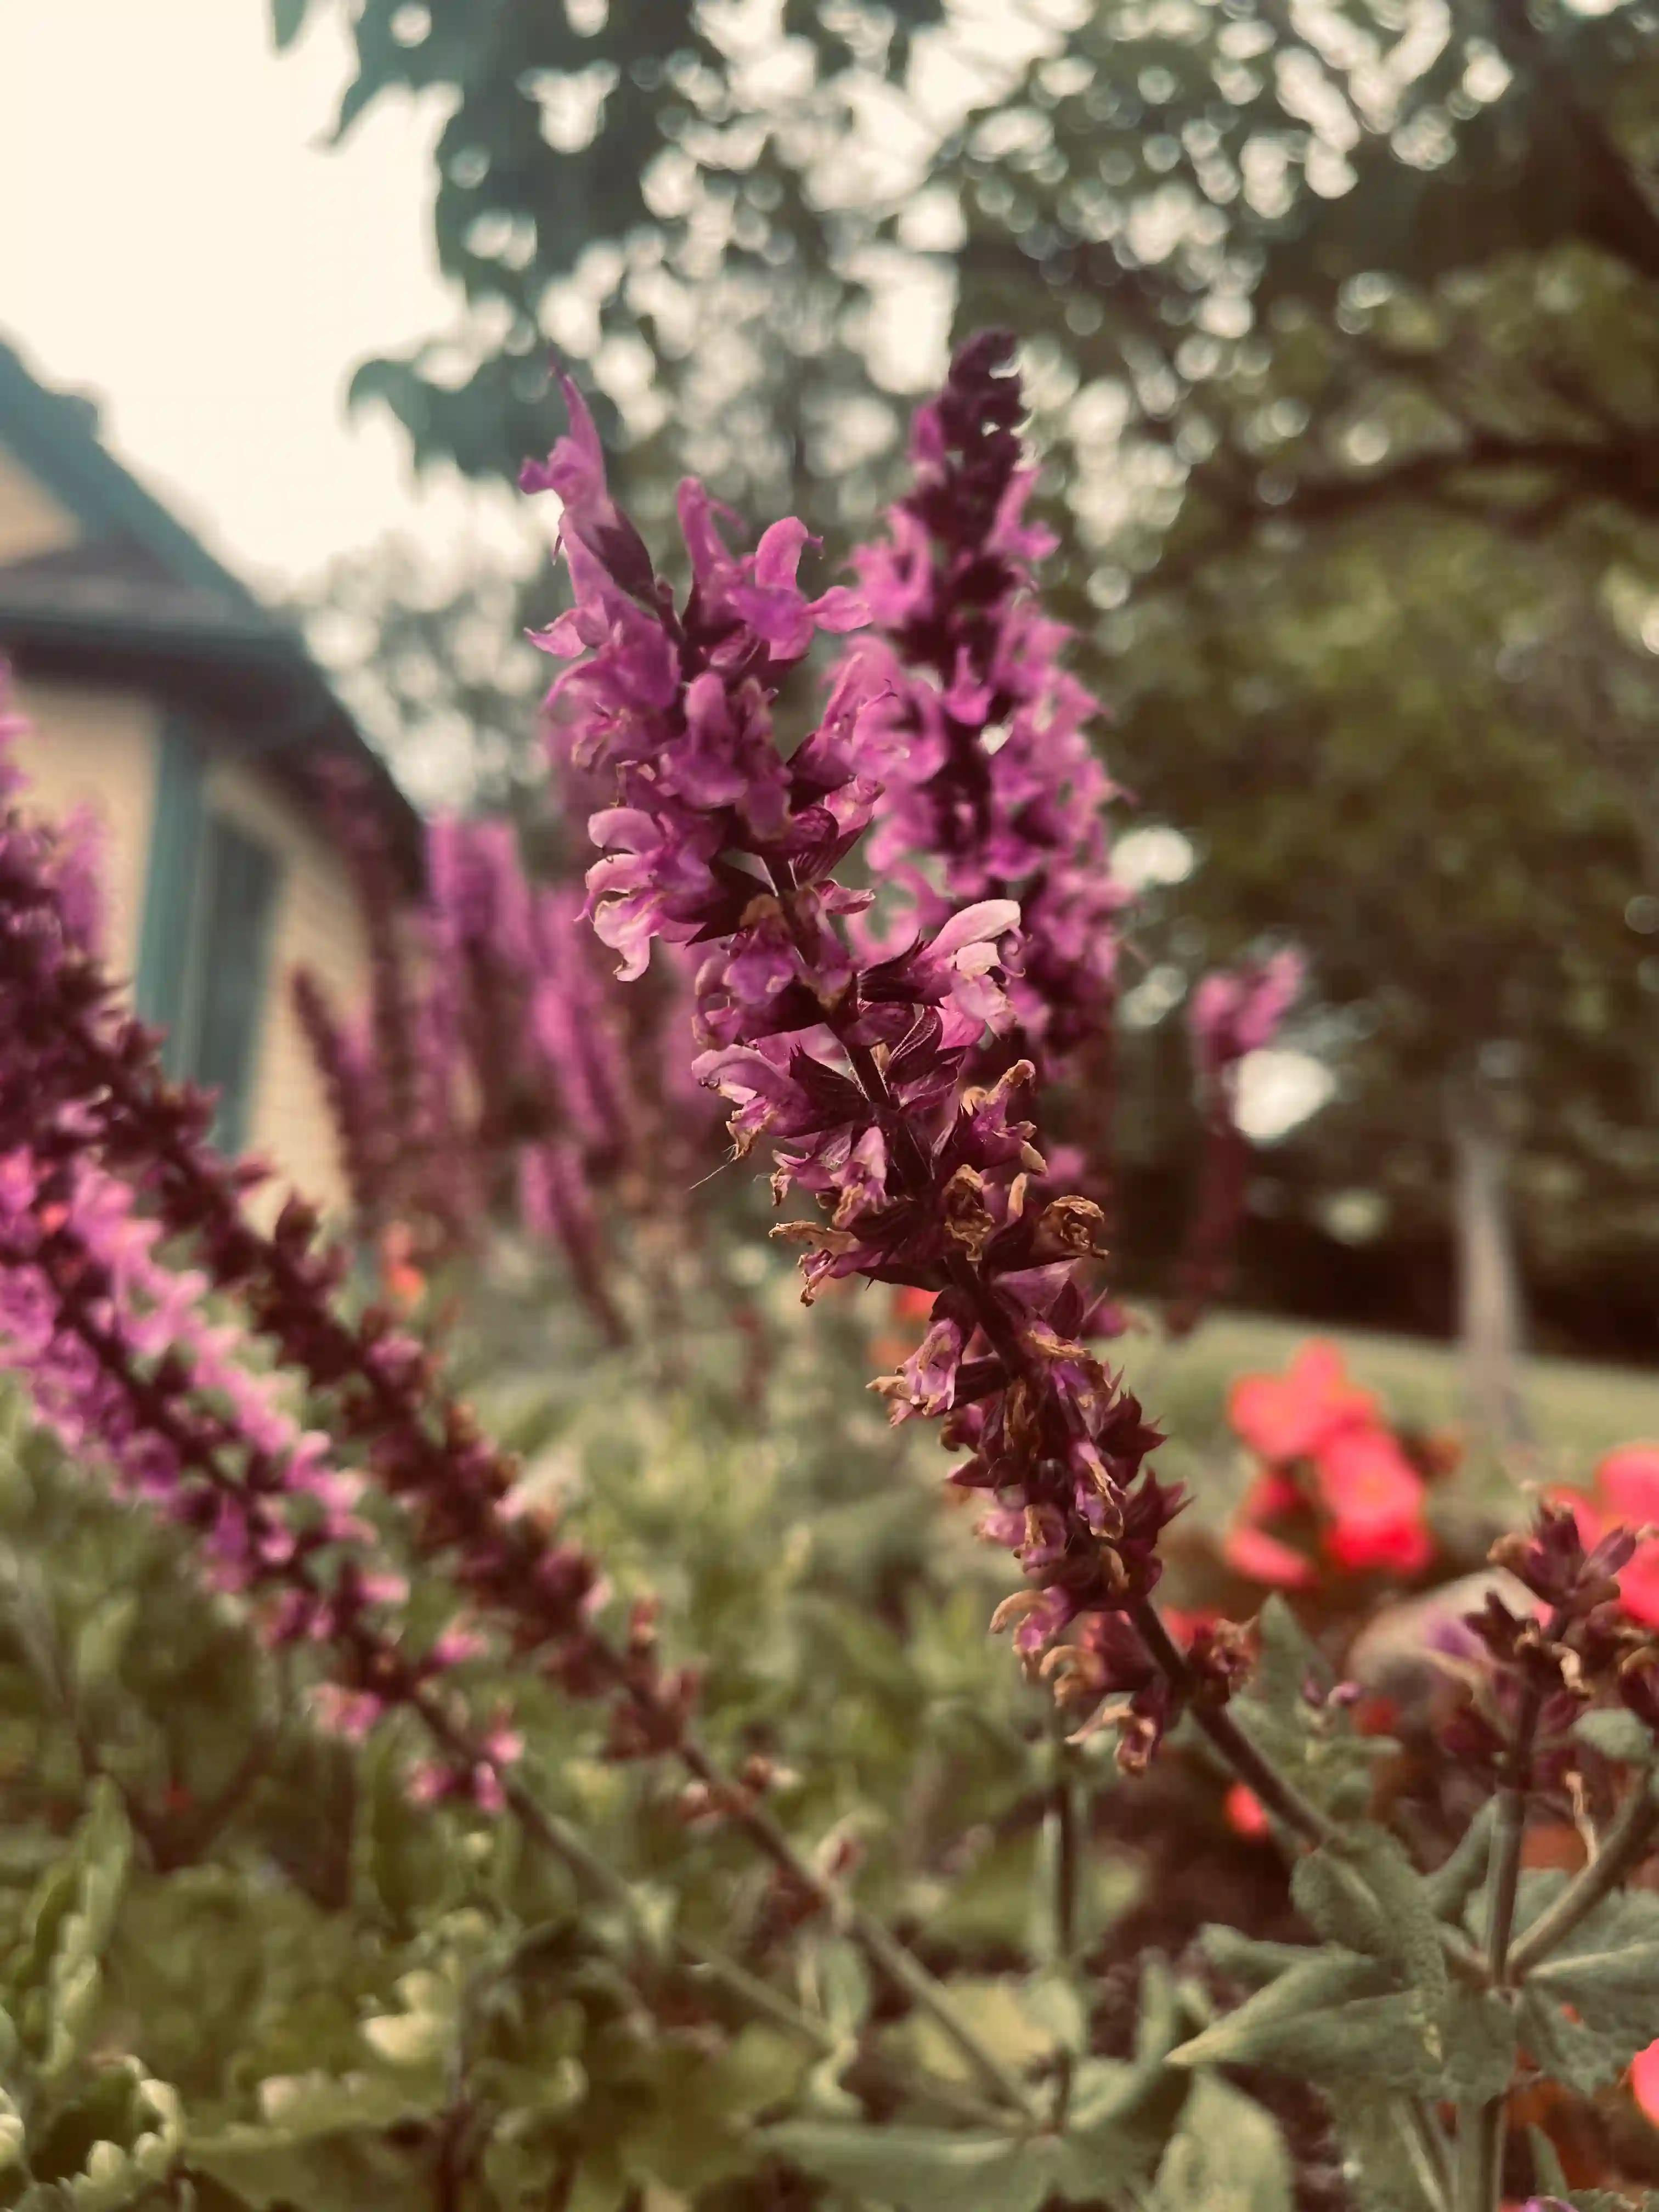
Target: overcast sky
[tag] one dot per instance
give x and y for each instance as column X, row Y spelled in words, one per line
column 176, row 238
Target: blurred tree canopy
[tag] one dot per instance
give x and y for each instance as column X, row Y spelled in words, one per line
column 1341, row 319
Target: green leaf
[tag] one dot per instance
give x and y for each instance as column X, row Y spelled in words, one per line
column 1607, row 1973
column 842, row 1985
column 1411, row 1928
column 52, row 1982
column 423, row 2034
column 921, row 2169
column 107, row 2148
column 1227, row 2156
column 1330, row 1892
column 1375, row 2038
column 1452, row 1885
column 1315, row 1743
column 761, row 2067
column 1058, row 2003
column 102, row 1639
column 1616, row 1734
column 1254, row 2030
column 1388, row 2167
column 349, row 2173
column 1566, row 2051
column 1289, row 1659
column 1001, row 2013
column 1250, row 1959
column 401, row 1868
column 326, row 2146
column 1481, row 2045
column 1122, row 2116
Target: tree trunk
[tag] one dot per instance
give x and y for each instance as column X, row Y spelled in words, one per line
column 1491, row 1326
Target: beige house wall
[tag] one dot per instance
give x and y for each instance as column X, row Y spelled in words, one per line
column 98, row 749
column 101, row 750
column 31, row 521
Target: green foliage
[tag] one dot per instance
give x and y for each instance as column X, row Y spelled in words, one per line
column 1617, row 1734
column 240, row 1968
column 1288, row 1713
column 288, row 20
column 51, row 1982
column 351, row 1995
column 1594, row 2003
column 1129, row 2125
column 1227, row 2155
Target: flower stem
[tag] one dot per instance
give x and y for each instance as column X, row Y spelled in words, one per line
column 1066, row 1869
column 1628, row 1843
column 1481, row 2128
column 884, row 1952
column 1279, row 1796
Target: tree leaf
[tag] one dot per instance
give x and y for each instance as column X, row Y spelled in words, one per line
column 288, row 19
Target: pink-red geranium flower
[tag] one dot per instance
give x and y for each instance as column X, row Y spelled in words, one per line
column 1253, row 1553
column 1290, row 1416
column 1326, row 1446
column 1625, row 1493
column 1644, row 2071
column 1374, row 1496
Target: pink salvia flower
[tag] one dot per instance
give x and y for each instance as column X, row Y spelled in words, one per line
column 979, row 734
column 856, row 1059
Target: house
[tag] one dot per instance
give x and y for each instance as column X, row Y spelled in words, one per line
column 187, row 716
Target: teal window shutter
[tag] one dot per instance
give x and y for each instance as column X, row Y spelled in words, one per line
column 238, row 898
column 204, row 938
column 170, row 887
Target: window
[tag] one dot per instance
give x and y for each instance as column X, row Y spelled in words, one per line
column 203, row 947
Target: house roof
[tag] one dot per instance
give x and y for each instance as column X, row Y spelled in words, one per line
column 136, row 600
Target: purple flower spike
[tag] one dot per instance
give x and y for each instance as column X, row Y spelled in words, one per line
column 979, row 734
column 858, row 1062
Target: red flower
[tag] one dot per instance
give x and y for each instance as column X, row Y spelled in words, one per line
column 1374, row 1499
column 1626, row 1491
column 1644, row 2079
column 1628, row 1478
column 1242, row 1810
column 1291, row 1416
column 1252, row 1552
column 1369, row 1496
